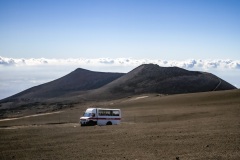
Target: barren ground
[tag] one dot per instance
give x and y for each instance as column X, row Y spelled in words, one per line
column 188, row 126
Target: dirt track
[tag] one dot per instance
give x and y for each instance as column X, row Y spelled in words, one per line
column 193, row 126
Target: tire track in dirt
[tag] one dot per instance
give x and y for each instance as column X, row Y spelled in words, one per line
column 35, row 115
column 40, row 125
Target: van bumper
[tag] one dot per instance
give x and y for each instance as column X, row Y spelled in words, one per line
column 88, row 123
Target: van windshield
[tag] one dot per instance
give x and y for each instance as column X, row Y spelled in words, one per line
column 86, row 114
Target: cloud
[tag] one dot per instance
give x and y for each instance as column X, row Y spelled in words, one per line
column 187, row 64
column 7, row 61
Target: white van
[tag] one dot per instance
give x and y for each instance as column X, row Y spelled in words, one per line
column 100, row 116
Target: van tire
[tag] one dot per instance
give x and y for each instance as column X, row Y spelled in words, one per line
column 91, row 123
column 109, row 123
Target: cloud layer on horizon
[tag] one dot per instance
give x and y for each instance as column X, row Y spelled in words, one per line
column 187, row 64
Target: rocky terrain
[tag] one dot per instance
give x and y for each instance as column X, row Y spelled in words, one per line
column 185, row 126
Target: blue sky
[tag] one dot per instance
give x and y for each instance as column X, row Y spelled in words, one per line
column 41, row 40
column 162, row 29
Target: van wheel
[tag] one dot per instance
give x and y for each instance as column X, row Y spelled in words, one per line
column 91, row 123
column 109, row 123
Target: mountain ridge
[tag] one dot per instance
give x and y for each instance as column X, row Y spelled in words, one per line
column 151, row 78
column 77, row 80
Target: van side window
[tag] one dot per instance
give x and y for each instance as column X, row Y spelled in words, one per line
column 115, row 113
column 108, row 113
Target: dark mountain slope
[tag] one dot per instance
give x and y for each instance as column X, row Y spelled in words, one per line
column 78, row 80
column 150, row 78
column 81, row 86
